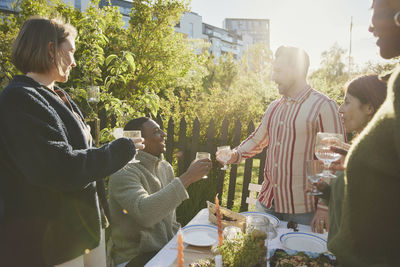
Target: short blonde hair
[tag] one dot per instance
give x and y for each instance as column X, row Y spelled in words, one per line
column 30, row 48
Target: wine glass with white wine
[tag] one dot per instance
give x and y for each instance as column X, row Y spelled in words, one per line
column 324, row 153
column 314, row 168
column 133, row 134
column 203, row 155
column 224, row 153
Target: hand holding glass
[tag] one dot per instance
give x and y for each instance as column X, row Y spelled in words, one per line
column 133, row 134
column 313, row 172
column 224, row 154
column 324, row 153
column 203, row 155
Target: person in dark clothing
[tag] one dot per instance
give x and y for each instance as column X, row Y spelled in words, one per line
column 48, row 167
column 369, row 233
column 363, row 97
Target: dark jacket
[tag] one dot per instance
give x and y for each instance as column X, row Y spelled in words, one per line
column 369, row 233
column 333, row 198
column 47, row 177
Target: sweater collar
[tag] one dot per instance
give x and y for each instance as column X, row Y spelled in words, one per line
column 33, row 83
column 148, row 160
column 27, row 80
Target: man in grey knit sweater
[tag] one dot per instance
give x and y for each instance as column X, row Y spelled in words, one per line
column 143, row 198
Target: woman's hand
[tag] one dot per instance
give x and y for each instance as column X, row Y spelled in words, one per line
column 342, row 150
column 320, row 221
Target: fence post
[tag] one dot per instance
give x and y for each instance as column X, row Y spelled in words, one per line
column 160, row 121
column 233, row 173
column 170, row 140
column 182, row 147
column 210, row 147
column 247, row 174
column 223, row 141
column 195, row 138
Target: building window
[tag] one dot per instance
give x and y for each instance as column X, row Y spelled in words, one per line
column 6, row 4
column 78, row 4
column 191, row 30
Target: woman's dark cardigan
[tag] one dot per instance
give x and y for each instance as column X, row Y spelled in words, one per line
column 47, row 177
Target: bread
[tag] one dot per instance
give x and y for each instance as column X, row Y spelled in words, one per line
column 228, row 217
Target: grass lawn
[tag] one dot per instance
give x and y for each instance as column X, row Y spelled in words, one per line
column 239, row 184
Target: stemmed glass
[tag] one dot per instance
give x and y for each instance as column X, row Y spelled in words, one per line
column 313, row 172
column 324, row 153
column 133, row 134
column 203, row 155
column 224, row 153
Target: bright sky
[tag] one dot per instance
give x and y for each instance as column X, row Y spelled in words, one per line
column 314, row 25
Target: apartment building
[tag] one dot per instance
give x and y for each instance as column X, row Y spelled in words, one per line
column 5, row 5
column 235, row 36
column 252, row 30
column 222, row 41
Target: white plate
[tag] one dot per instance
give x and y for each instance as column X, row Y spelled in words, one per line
column 200, row 235
column 275, row 221
column 303, row 242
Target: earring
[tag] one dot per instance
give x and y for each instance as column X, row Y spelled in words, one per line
column 396, row 19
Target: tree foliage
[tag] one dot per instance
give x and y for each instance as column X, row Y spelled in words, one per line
column 132, row 66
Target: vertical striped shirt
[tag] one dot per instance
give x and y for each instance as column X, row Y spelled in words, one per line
column 289, row 128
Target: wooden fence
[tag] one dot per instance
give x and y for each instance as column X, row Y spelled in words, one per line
column 182, row 148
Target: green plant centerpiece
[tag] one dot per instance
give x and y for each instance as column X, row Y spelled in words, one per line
column 244, row 250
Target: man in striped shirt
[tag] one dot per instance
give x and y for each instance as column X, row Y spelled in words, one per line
column 289, row 128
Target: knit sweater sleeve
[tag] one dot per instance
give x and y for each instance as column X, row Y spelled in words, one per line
column 38, row 145
column 147, row 209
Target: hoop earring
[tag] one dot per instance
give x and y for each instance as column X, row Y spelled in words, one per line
column 396, row 19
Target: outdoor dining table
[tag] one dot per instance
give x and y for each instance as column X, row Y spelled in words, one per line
column 167, row 255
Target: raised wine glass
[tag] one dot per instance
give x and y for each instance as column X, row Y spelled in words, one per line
column 224, row 154
column 133, row 134
column 314, row 168
column 324, row 153
column 203, row 155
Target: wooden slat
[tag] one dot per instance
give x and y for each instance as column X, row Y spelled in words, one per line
column 210, row 148
column 255, row 187
column 195, row 144
column 222, row 142
column 160, row 121
column 170, row 140
column 182, row 147
column 247, row 174
column 251, row 201
column 210, row 144
column 233, row 172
